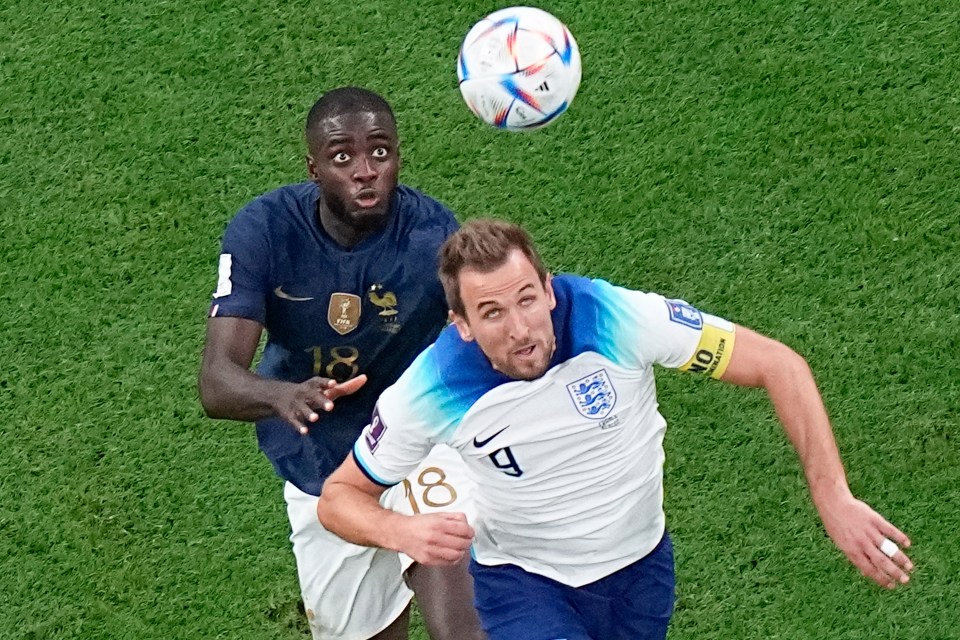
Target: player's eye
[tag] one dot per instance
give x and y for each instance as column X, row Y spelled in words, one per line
column 491, row 314
column 380, row 153
column 341, row 158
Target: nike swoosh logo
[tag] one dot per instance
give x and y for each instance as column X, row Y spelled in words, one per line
column 280, row 293
column 482, row 443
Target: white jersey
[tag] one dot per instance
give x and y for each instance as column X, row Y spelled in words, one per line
column 569, row 467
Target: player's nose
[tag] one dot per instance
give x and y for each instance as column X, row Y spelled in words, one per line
column 365, row 169
column 518, row 327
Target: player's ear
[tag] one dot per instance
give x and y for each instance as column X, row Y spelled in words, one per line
column 462, row 327
column 548, row 287
column 311, row 167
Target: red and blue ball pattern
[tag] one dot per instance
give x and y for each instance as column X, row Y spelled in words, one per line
column 519, row 68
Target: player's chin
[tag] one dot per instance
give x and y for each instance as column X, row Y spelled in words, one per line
column 527, row 370
column 370, row 217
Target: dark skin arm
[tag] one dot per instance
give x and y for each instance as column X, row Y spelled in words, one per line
column 230, row 390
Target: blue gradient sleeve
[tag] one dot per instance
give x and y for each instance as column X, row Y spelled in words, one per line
column 637, row 329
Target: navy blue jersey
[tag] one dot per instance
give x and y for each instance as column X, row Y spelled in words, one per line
column 332, row 312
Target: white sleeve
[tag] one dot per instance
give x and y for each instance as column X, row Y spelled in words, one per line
column 407, row 422
column 388, row 449
column 650, row 328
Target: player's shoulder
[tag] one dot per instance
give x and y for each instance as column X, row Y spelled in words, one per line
column 577, row 314
column 273, row 214
column 582, row 294
column 572, row 286
column 591, row 313
column 579, row 296
column 417, row 210
column 448, row 377
column 456, row 365
column 281, row 203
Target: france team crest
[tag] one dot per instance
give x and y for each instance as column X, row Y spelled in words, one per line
column 593, row 395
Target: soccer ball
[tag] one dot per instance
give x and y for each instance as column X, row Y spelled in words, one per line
column 519, row 68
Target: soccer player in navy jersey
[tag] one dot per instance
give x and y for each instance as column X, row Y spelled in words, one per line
column 340, row 272
column 545, row 386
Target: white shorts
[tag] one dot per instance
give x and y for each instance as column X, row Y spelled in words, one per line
column 352, row 592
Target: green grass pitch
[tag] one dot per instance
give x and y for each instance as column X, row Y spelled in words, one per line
column 792, row 165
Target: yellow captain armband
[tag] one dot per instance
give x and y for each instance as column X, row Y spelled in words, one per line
column 712, row 354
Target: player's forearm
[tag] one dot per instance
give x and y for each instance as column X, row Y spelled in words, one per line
column 799, row 406
column 230, row 392
column 357, row 517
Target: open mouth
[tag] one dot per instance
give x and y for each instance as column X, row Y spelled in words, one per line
column 367, row 199
column 525, row 352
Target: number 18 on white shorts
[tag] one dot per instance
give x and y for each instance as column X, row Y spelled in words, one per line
column 352, row 592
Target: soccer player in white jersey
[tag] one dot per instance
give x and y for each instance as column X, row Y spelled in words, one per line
column 545, row 386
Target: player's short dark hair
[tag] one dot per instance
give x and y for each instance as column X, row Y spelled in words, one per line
column 344, row 100
column 483, row 244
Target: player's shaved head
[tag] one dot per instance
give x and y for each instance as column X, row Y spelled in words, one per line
column 344, row 100
column 483, row 244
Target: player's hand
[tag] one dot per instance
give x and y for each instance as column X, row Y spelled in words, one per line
column 435, row 539
column 299, row 404
column 859, row 532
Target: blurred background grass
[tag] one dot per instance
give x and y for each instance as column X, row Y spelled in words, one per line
column 790, row 165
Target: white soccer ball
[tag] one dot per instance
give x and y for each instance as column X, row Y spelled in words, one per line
column 519, row 68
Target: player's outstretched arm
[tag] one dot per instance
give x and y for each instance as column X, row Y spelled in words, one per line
column 228, row 389
column 350, row 507
column 858, row 530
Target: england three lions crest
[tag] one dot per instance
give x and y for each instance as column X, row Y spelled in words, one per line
column 593, row 395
